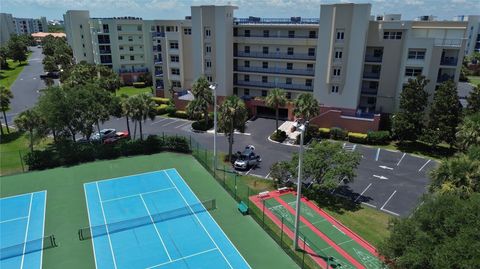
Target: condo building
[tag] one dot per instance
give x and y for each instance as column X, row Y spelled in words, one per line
column 355, row 64
column 21, row 26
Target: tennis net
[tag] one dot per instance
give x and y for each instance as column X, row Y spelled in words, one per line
column 28, row 247
column 104, row 229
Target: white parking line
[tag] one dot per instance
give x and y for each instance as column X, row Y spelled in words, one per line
column 378, row 154
column 363, row 191
column 401, row 159
column 395, row 191
column 267, row 176
column 249, row 171
column 391, row 212
column 370, row 205
column 168, row 123
column 183, row 124
column 354, row 147
column 423, row 166
column 163, row 119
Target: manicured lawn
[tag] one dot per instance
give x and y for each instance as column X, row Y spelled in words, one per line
column 439, row 152
column 8, row 76
column 128, row 90
column 475, row 80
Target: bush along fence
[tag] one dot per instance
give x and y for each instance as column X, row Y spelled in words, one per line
column 241, row 188
column 335, row 133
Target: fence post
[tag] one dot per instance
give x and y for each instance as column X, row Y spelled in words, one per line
column 235, row 187
column 190, row 141
column 21, row 160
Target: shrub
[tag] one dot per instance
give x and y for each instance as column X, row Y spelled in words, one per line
column 177, row 143
column 357, row 138
column 279, row 136
column 378, row 137
column 338, row 133
column 161, row 101
column 181, row 114
column 171, row 111
column 201, row 126
column 138, row 84
column 324, row 132
column 39, row 160
column 162, row 109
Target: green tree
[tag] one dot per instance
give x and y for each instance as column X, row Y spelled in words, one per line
column 306, row 106
column 143, row 108
column 232, row 115
column 3, row 58
column 468, row 133
column 203, row 98
column 126, row 110
column 473, row 101
column 444, row 115
column 5, row 99
column 17, row 49
column 84, row 73
column 408, row 122
column 29, row 121
column 49, row 64
column 441, row 233
column 276, row 98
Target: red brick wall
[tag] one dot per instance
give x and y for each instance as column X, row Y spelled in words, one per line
column 160, row 93
column 334, row 118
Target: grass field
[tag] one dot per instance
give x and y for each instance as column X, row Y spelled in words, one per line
column 66, row 208
column 419, row 148
column 130, row 91
column 8, row 76
column 475, row 80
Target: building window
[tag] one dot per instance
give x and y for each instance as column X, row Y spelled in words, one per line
column 246, row 49
column 173, row 45
column 103, row 39
column 311, row 51
column 246, row 63
column 340, row 34
column 105, row 28
column 235, row 91
column 289, row 66
column 290, row 51
column 139, row 28
column 209, row 78
column 175, row 71
column 334, row 89
column 122, row 57
column 208, row 64
column 264, row 64
column 288, row 81
column 120, row 37
column 81, row 26
column 130, row 38
column 246, row 77
column 392, row 35
column 246, row 91
column 312, row 34
column 338, row 54
column 130, row 48
column 416, row 54
column 289, row 95
column 208, row 32
column 132, row 57
column 266, row 33
column 264, row 79
column 264, row 93
column 265, row 50
column 187, row 31
column 247, row 33
column 119, row 28
column 413, row 71
column 309, row 66
column 336, row 72
column 174, row 58
column 291, row 34
column 308, row 82
column 176, row 84
column 208, row 49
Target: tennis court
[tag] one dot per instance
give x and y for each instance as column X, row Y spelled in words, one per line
column 21, row 230
column 154, row 220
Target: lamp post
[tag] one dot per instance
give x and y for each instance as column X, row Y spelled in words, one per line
column 213, row 87
column 302, row 128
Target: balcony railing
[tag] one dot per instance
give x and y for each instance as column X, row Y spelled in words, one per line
column 452, row 61
column 276, row 36
column 158, row 34
column 270, row 85
column 158, row 73
column 444, row 77
column 448, row 42
column 276, row 55
column 292, row 20
column 157, row 61
column 373, row 58
column 307, row 72
column 374, row 75
column 371, row 91
column 105, row 51
column 133, row 70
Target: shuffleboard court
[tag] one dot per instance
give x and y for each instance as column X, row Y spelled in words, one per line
column 21, row 230
column 154, row 220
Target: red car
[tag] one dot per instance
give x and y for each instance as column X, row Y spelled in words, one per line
column 116, row 137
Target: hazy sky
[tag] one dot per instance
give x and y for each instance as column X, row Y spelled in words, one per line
column 177, row 9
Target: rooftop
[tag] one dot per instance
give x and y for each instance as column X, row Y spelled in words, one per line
column 291, row 20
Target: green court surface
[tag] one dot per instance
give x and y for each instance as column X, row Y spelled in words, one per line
column 320, row 247
column 66, row 210
column 354, row 249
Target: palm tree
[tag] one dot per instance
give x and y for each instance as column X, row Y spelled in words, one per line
column 232, row 115
column 203, row 94
column 143, row 108
column 306, row 106
column 275, row 99
column 126, row 109
column 469, row 132
column 5, row 97
column 28, row 121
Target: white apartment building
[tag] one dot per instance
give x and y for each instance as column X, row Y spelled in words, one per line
column 6, row 27
column 349, row 60
column 473, row 35
column 20, row 26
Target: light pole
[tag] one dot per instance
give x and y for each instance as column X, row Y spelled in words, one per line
column 213, row 87
column 302, row 128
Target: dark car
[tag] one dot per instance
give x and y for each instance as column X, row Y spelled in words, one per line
column 54, row 74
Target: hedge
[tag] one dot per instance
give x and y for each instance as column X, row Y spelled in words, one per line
column 201, row 126
column 338, row 133
column 357, row 138
column 138, row 84
column 162, row 109
column 378, row 137
column 324, row 132
column 180, row 114
column 279, row 136
column 70, row 153
column 161, row 101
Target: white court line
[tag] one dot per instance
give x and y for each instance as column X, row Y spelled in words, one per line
column 134, row 175
column 183, row 258
column 43, row 226
column 201, row 223
column 168, row 123
column 155, row 226
column 8, row 220
column 388, row 199
column 134, row 195
column 315, row 222
column 393, row 213
column 378, row 154
column 363, row 191
column 26, row 230
column 401, row 159
column 164, row 119
column 106, row 226
column 338, row 229
column 183, row 124
column 423, row 166
column 90, row 224
column 211, row 218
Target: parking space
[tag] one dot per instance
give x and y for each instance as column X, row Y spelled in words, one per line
column 387, row 180
column 171, row 123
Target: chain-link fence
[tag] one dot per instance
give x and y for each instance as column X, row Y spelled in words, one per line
column 12, row 162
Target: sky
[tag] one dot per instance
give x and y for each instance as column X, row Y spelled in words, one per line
column 178, row 9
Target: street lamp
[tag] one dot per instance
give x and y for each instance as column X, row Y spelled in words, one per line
column 213, row 87
column 302, row 129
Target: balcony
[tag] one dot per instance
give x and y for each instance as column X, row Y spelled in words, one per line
column 158, row 34
column 445, row 77
column 277, row 36
column 157, row 61
column 276, row 55
column 373, row 58
column 105, row 51
column 369, row 91
column 133, row 70
column 450, row 61
column 159, row 73
column 292, row 20
column 270, row 85
column 304, row 72
column 448, row 42
column 373, row 75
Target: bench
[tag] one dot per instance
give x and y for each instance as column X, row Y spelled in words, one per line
column 283, row 189
column 243, row 208
column 263, row 194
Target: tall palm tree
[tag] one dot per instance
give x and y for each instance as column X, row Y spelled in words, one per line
column 468, row 133
column 5, row 98
column 204, row 96
column 143, row 108
column 28, row 121
column 306, row 106
column 232, row 116
column 275, row 99
column 126, row 109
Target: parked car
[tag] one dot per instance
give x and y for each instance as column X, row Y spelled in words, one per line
column 118, row 136
column 106, row 133
column 54, row 74
column 247, row 159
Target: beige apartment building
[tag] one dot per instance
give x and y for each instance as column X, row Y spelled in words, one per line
column 354, row 63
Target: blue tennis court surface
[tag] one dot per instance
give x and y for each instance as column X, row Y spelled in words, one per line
column 22, row 220
column 192, row 240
